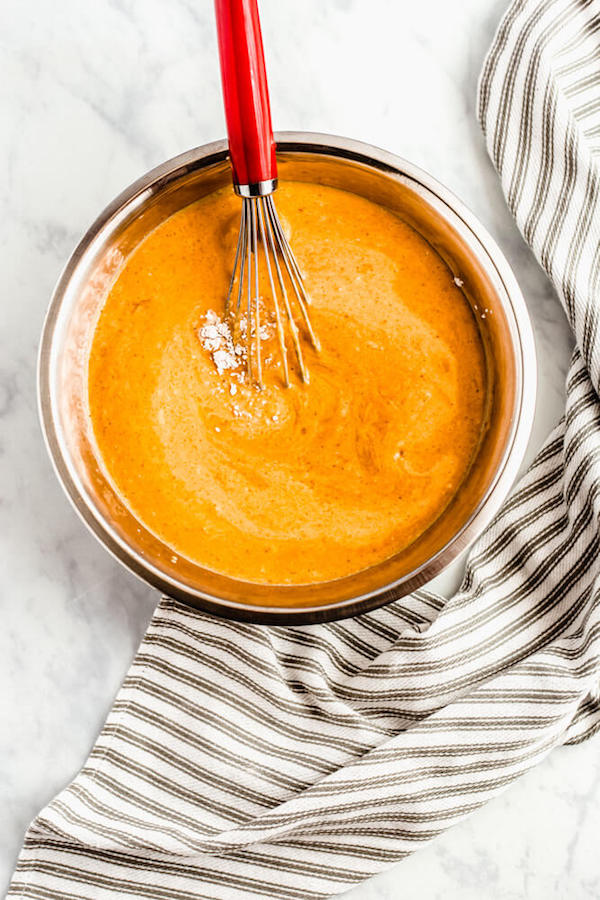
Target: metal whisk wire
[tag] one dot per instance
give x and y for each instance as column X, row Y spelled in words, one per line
column 261, row 234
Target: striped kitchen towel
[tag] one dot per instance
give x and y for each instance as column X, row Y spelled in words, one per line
column 244, row 761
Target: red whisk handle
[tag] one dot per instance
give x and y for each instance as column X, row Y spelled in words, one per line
column 246, row 97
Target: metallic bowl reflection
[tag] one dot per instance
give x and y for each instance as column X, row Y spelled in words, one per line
column 470, row 254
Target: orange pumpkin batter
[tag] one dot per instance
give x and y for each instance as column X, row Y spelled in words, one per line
column 313, row 482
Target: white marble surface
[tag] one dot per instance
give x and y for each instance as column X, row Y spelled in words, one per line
column 92, row 95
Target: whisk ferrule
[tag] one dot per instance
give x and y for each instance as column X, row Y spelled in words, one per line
column 256, row 189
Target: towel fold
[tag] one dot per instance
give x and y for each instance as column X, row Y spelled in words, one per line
column 245, row 761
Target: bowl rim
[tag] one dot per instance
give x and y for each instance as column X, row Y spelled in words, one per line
column 496, row 492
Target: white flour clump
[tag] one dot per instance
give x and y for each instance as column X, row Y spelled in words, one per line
column 216, row 337
column 265, row 330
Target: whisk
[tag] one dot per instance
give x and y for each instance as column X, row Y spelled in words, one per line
column 261, row 236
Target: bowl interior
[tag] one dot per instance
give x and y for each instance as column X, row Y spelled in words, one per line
column 470, row 256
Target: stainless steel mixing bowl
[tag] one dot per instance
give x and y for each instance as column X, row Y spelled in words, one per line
column 470, row 254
